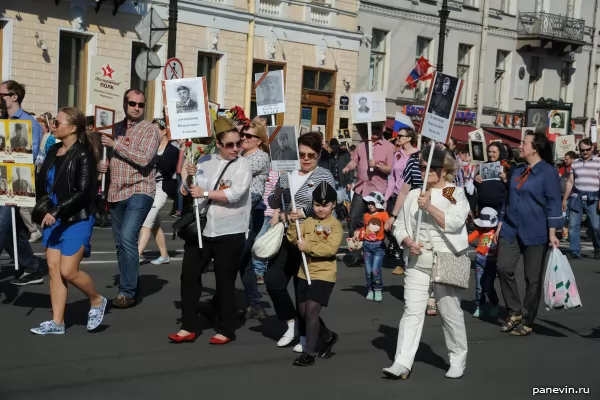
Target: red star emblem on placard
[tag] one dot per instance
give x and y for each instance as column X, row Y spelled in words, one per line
column 108, row 71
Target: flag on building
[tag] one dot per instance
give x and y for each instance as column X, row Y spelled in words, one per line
column 419, row 73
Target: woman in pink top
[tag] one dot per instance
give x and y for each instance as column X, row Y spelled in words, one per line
column 405, row 143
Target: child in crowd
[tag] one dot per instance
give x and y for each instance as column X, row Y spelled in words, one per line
column 374, row 244
column 485, row 261
column 320, row 240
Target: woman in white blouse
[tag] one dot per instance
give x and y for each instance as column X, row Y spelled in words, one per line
column 223, row 236
column 443, row 229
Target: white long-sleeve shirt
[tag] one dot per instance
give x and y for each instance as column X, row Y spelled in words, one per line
column 225, row 218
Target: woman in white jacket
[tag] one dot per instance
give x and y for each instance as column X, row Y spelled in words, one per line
column 445, row 209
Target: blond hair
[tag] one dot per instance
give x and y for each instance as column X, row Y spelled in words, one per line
column 450, row 167
column 261, row 132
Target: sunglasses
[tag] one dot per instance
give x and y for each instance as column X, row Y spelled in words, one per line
column 231, row 145
column 248, row 136
column 309, row 156
column 133, row 104
column 6, row 94
column 57, row 123
column 423, row 168
column 582, row 150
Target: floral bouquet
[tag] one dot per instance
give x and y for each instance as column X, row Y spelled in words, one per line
column 238, row 116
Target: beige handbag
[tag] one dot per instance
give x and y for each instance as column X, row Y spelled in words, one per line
column 449, row 268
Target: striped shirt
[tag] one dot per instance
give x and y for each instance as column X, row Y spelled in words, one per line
column 269, row 187
column 303, row 195
column 131, row 171
column 586, row 175
column 412, row 172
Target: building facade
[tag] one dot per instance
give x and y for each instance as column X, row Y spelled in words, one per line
column 531, row 49
column 50, row 46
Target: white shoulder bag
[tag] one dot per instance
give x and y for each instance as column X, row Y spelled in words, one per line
column 268, row 245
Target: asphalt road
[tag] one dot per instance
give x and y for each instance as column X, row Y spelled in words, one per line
column 130, row 356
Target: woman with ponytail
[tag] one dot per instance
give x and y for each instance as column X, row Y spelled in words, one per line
column 68, row 177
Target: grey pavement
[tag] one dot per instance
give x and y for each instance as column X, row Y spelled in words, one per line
column 131, row 357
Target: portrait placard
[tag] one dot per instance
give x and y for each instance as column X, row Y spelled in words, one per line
column 440, row 108
column 491, row 171
column 104, row 120
column 283, row 143
column 270, row 93
column 368, row 107
column 559, row 122
column 16, row 141
column 319, row 128
column 17, row 185
column 477, row 146
column 564, row 144
column 186, row 108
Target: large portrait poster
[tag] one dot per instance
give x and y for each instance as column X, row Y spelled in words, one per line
column 283, row 144
column 368, row 107
column 440, row 108
column 477, row 146
column 17, row 185
column 270, row 96
column 16, row 141
column 104, row 120
column 108, row 83
column 559, row 122
column 187, row 108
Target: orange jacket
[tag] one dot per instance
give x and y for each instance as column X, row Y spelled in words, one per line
column 485, row 241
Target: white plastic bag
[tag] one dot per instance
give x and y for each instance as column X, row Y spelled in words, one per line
column 560, row 289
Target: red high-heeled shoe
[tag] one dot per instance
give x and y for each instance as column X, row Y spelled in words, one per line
column 216, row 340
column 175, row 338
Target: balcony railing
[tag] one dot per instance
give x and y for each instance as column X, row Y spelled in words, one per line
column 541, row 24
column 320, row 16
column 272, row 8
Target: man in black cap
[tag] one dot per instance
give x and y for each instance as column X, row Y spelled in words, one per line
column 319, row 240
column 186, row 103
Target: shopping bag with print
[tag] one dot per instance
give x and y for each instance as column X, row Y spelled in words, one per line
column 560, row 289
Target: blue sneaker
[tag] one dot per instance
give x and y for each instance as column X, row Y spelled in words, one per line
column 96, row 315
column 160, row 260
column 49, row 328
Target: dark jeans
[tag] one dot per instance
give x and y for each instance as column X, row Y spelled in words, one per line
column 374, row 252
column 283, row 267
column 127, row 217
column 179, row 195
column 28, row 262
column 534, row 261
column 247, row 272
column 225, row 251
column 393, row 244
column 485, row 276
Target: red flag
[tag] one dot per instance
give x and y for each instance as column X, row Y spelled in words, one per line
column 419, row 73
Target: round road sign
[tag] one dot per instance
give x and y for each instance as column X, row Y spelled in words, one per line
column 173, row 69
column 147, row 65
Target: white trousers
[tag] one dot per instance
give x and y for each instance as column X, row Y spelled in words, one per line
column 417, row 288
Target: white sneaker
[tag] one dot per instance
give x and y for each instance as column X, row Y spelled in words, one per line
column 455, row 373
column 285, row 341
column 298, row 348
column 35, row 236
column 396, row 371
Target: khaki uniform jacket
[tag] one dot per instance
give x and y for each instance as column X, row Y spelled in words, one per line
column 322, row 247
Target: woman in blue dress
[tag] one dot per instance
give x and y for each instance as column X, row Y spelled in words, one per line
column 69, row 176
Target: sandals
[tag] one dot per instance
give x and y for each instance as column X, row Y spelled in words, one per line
column 431, row 310
column 521, row 330
column 511, row 323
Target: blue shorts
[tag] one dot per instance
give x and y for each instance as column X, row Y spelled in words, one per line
column 69, row 237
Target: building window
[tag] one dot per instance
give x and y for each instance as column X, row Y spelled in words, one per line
column 72, row 67
column 464, row 71
column 208, row 66
column 565, row 80
column 318, row 99
column 499, row 78
column 259, row 67
column 535, row 74
column 505, row 6
column 470, row 3
column 423, row 50
column 377, row 62
column 318, row 80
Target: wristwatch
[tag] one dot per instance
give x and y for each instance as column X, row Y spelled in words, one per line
column 394, row 216
column 205, row 195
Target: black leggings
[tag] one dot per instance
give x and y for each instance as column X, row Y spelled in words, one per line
column 311, row 325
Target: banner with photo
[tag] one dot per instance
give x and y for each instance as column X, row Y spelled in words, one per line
column 283, row 144
column 104, row 120
column 186, row 108
column 368, row 107
column 477, row 146
column 17, row 185
column 490, row 171
column 559, row 122
column 440, row 108
column 564, row 144
column 270, row 92
column 16, row 141
column 108, row 82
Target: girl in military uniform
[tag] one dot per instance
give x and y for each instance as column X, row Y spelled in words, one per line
column 320, row 240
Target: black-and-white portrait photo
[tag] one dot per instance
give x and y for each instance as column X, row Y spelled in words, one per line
column 2, row 137
column 477, row 152
column 364, row 107
column 270, row 97
column 538, row 119
column 319, row 128
column 284, row 147
column 340, row 134
column 346, row 134
column 442, row 96
column 3, row 179
column 21, row 180
column 186, row 103
column 104, row 117
column 19, row 136
column 491, row 171
column 557, row 120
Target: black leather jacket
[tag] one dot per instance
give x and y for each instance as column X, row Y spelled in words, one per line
column 77, row 186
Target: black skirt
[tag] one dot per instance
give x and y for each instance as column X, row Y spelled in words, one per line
column 317, row 291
